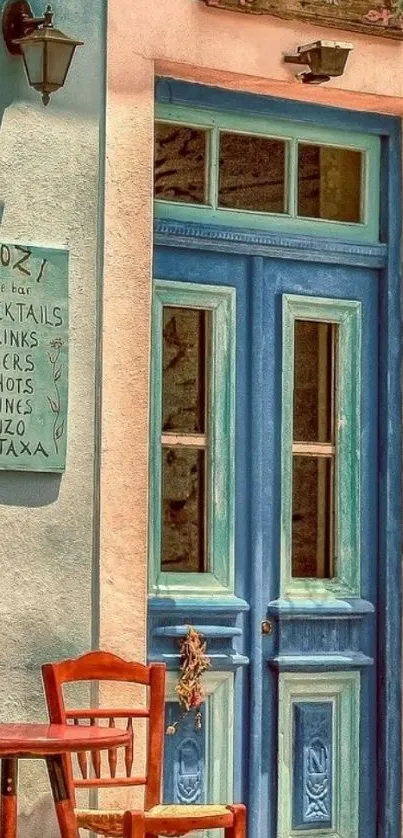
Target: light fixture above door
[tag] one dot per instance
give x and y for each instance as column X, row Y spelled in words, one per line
column 325, row 59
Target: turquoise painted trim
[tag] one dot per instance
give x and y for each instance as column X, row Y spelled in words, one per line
column 219, row 732
column 367, row 231
column 220, row 737
column 207, row 631
column 342, row 689
column 329, row 661
column 347, row 314
column 220, row 662
column 225, row 605
column 312, row 610
column 220, row 542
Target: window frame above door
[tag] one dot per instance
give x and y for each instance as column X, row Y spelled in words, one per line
column 293, row 134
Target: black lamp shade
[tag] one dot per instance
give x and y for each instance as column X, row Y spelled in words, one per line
column 47, row 55
column 326, row 58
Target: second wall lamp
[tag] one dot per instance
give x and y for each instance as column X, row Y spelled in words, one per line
column 47, row 53
column 325, row 59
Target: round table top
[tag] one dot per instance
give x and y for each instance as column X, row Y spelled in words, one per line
column 42, row 739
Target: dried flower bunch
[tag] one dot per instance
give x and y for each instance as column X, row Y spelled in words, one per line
column 194, row 663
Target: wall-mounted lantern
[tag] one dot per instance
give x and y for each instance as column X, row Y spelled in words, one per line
column 47, row 53
column 325, row 59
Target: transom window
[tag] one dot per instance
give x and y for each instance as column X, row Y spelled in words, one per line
column 241, row 171
column 181, row 172
column 252, row 173
column 330, row 183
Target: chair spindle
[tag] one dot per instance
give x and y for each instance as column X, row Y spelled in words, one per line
column 129, row 748
column 112, row 753
column 95, row 756
column 82, row 758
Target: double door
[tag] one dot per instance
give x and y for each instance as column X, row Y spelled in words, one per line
column 305, row 532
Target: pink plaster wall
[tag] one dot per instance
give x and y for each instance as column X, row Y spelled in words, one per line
column 185, row 39
column 125, row 366
column 186, row 32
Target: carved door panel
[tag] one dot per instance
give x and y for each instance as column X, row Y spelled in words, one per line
column 185, row 757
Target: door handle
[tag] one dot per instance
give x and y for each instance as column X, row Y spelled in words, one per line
column 267, row 627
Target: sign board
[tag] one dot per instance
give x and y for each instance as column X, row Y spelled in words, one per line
column 33, row 357
column 372, row 17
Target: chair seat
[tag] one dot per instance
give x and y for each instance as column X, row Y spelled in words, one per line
column 104, row 822
column 186, row 810
column 171, row 819
column 110, row 822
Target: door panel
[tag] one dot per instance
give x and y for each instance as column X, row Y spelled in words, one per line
column 306, row 714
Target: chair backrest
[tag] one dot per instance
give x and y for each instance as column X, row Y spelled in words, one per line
column 103, row 666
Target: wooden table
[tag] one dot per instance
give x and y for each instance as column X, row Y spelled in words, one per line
column 49, row 742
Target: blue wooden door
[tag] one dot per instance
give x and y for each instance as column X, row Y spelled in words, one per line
column 304, row 638
column 314, row 672
column 275, row 455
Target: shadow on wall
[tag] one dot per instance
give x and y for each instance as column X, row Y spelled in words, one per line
column 39, row 821
column 28, row 488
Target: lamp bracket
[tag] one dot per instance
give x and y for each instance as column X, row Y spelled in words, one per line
column 299, row 58
column 18, row 20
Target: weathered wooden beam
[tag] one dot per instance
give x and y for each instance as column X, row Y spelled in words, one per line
column 383, row 18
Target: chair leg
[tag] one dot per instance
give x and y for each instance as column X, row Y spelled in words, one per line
column 238, row 828
column 134, row 824
column 9, row 779
column 63, row 803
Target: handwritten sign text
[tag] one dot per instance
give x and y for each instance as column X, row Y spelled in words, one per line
column 33, row 357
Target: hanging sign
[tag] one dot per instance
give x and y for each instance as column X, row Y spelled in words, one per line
column 372, row 17
column 33, row 357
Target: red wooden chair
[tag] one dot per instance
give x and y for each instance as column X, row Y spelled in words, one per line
column 156, row 818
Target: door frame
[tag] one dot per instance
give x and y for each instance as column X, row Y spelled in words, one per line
column 387, row 259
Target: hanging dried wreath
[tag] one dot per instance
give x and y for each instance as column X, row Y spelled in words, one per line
column 194, row 663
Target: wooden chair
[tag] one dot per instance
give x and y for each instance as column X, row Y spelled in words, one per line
column 156, row 818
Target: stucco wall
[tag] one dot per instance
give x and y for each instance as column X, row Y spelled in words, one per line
column 185, row 39
column 49, row 161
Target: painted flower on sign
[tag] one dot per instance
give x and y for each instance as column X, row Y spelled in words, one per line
column 386, row 16
column 56, row 345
